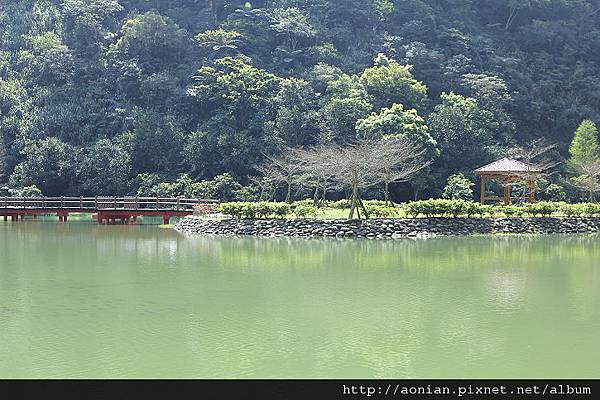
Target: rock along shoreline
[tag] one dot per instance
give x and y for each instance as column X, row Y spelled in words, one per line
column 386, row 228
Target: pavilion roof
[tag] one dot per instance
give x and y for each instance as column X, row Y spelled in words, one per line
column 506, row 166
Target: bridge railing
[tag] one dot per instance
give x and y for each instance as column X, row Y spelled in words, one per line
column 106, row 203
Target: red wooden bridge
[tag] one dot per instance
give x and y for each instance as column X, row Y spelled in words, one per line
column 106, row 210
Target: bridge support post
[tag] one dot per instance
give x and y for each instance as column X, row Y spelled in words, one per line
column 166, row 219
column 5, row 218
column 13, row 218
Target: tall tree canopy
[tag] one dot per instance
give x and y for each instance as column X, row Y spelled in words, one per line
column 204, row 88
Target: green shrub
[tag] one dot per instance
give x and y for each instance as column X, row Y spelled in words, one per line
column 437, row 208
column 591, row 209
column 456, row 208
column 488, row 210
column 555, row 192
column 458, row 187
column 543, row 208
column 304, row 211
column 416, row 208
column 305, row 202
column 580, row 209
column 252, row 210
column 381, row 211
column 340, row 204
column 376, row 203
column 261, row 209
column 572, row 210
column 474, row 209
column 281, row 209
column 234, row 209
column 510, row 211
column 27, row 191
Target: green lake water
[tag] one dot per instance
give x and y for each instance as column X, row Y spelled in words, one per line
column 82, row 301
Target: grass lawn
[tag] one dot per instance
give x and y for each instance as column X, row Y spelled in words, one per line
column 340, row 213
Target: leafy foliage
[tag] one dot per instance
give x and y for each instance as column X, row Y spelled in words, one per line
column 102, row 96
column 458, row 187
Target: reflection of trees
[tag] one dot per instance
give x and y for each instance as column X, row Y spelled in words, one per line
column 481, row 306
column 248, row 307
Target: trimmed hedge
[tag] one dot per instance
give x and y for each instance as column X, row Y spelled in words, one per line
column 305, row 211
column 445, row 208
column 381, row 211
column 423, row 208
column 252, row 210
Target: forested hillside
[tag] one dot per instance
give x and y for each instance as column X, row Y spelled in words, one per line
column 117, row 96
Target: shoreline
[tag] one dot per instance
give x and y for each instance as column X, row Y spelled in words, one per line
column 387, row 228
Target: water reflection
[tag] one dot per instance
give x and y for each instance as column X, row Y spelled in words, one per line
column 78, row 300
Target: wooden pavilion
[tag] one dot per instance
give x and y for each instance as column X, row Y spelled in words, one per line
column 508, row 171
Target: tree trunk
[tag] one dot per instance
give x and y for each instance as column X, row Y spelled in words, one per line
column 354, row 201
column 388, row 198
column 288, row 196
column 316, row 197
column 416, row 194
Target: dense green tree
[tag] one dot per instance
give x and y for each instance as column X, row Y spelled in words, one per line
column 205, row 88
column 15, row 122
column 154, row 42
column 339, row 116
column 219, row 43
column 104, row 168
column 48, row 164
column 464, row 133
column 397, row 122
column 388, row 82
column 458, row 187
column 236, row 101
column 295, row 122
column 156, row 143
column 47, row 60
column 585, row 147
column 86, row 22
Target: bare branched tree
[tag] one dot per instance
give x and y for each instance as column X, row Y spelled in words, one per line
column 318, row 173
column 283, row 168
column 589, row 179
column 365, row 164
column 266, row 186
column 413, row 162
column 538, row 163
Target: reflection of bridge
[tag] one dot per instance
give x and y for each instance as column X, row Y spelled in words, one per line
column 106, row 210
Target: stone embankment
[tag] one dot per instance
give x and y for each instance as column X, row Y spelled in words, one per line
column 387, row 228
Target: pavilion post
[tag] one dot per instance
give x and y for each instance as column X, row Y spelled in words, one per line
column 483, row 182
column 531, row 190
column 507, row 191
